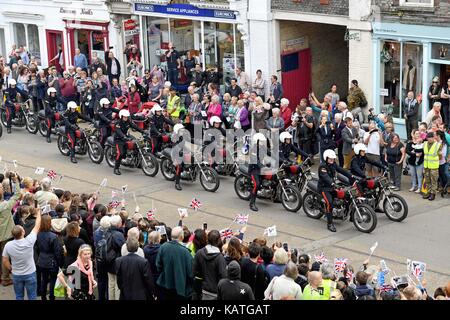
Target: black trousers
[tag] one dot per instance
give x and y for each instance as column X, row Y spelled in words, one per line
column 121, row 153
column 105, row 132
column 306, row 145
column 179, row 169
column 340, row 155
column 10, row 114
column 48, row 276
column 156, row 144
column 328, row 197
column 102, row 279
column 37, row 104
column 50, row 118
column 72, row 142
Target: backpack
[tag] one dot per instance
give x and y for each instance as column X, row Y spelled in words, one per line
column 101, row 249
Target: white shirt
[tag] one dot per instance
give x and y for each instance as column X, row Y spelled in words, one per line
column 283, row 286
column 373, row 147
column 125, row 252
column 22, row 255
column 113, row 66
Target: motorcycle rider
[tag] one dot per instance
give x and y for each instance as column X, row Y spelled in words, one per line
column 259, row 145
column 51, row 107
column 70, row 119
column 358, row 164
column 105, row 116
column 10, row 97
column 209, row 138
column 157, row 130
column 178, row 130
column 286, row 148
column 327, row 185
column 121, row 137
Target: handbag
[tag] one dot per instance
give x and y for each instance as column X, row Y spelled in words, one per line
column 60, row 290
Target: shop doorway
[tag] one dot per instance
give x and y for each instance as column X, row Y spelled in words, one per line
column 296, row 75
column 83, row 42
column 54, row 40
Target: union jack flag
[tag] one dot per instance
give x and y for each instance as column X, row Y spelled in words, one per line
column 226, row 233
column 51, row 174
column 195, row 204
column 241, row 219
column 339, row 264
column 114, row 204
column 417, row 271
column 385, row 288
column 151, row 214
column 320, row 258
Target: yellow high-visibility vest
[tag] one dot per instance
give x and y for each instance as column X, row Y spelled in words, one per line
column 431, row 157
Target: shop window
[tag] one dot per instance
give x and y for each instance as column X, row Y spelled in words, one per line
column 440, row 51
column 20, row 38
column 33, row 41
column 401, row 71
column 156, row 41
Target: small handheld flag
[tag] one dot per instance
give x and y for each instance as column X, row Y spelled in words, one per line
column 195, row 204
column 124, row 188
column 161, row 230
column 241, row 219
column 183, row 212
column 39, row 170
column 320, row 258
column 51, row 174
column 151, row 214
column 103, row 183
column 226, row 233
column 15, row 163
column 271, row 231
column 339, row 264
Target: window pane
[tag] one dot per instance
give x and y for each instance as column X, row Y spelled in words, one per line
column 412, row 70
column 2, row 42
column 390, row 76
column 157, row 40
column 19, row 34
column 33, row 42
column 440, row 51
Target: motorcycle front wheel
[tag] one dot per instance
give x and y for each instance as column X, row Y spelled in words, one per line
column 168, row 169
column 32, row 125
column 399, row 209
column 291, row 199
column 110, row 156
column 42, row 127
column 96, row 154
column 241, row 188
column 368, row 220
column 152, row 167
column 311, row 206
column 63, row 145
column 209, row 179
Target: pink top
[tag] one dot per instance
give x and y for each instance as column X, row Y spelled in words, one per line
column 214, row 109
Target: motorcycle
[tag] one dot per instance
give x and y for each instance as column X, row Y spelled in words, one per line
column 86, row 143
column 347, row 205
column 276, row 187
column 24, row 116
column 301, row 174
column 43, row 123
column 194, row 167
column 138, row 155
column 378, row 193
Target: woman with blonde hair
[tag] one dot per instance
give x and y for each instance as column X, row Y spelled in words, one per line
column 280, row 259
column 85, row 272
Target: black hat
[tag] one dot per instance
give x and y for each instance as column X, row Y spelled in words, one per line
column 315, row 266
column 430, row 134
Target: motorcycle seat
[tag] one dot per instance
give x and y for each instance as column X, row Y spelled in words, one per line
column 313, row 185
column 244, row 169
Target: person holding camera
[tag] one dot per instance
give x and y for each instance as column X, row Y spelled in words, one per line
column 306, row 126
column 112, row 65
column 173, row 64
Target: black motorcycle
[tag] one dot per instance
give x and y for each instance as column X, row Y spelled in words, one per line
column 347, row 205
column 378, row 193
column 86, row 143
column 194, row 167
column 138, row 155
column 43, row 123
column 276, row 187
column 24, row 116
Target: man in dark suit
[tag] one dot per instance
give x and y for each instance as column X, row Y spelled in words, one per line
column 112, row 66
column 134, row 277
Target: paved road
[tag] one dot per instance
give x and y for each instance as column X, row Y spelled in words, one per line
column 422, row 236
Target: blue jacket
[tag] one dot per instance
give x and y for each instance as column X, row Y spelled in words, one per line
column 50, row 251
column 40, row 88
column 117, row 242
column 364, row 290
column 275, row 270
column 80, row 61
column 150, row 253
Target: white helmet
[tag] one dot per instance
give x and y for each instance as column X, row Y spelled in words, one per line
column 329, row 154
column 124, row 113
column 285, row 135
column 12, row 82
column 214, row 119
column 259, row 137
column 104, row 101
column 177, row 128
column 156, row 108
column 359, row 147
column 72, row 105
column 51, row 90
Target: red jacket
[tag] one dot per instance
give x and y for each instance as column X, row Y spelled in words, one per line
column 133, row 102
column 67, row 88
column 286, row 115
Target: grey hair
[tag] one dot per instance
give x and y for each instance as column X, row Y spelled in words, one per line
column 133, row 233
column 327, row 270
column 46, row 184
column 338, row 116
column 105, row 222
column 116, row 221
column 177, row 233
column 154, row 237
column 437, row 103
column 132, row 244
column 291, row 270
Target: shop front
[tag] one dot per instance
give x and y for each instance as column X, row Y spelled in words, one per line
column 407, row 57
column 210, row 36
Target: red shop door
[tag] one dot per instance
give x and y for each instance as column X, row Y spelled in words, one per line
column 54, row 38
column 296, row 75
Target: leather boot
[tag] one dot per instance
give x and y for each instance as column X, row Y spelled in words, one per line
column 73, row 160
column 252, row 204
column 331, row 227
column 49, row 140
column 178, row 186
column 8, row 130
column 117, row 171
